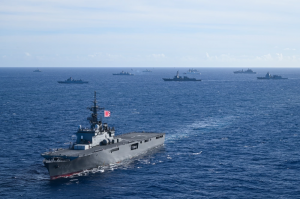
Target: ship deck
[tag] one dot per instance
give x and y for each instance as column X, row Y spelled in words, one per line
column 126, row 138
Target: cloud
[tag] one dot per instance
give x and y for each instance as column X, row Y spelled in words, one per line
column 267, row 57
column 222, row 57
column 280, row 57
column 106, row 56
column 129, row 32
column 188, row 58
column 157, row 56
column 248, row 58
column 95, row 55
column 289, row 49
column 68, row 14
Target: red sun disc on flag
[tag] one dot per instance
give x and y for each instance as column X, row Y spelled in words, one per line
column 106, row 113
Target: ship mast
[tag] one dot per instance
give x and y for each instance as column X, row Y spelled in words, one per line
column 94, row 119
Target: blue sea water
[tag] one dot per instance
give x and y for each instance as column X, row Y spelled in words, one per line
column 229, row 136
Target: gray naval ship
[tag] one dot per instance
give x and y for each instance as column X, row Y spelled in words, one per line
column 73, row 81
column 179, row 78
column 147, row 71
column 123, row 73
column 98, row 146
column 249, row 71
column 193, row 71
column 269, row 76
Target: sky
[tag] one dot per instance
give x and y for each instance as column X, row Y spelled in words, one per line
column 154, row 33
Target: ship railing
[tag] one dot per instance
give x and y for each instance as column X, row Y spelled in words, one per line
column 56, row 160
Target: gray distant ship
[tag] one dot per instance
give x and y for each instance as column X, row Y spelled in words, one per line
column 98, row 146
column 73, row 81
column 147, row 71
column 37, row 70
column 193, row 71
column 249, row 71
column 123, row 73
column 179, row 78
column 269, row 76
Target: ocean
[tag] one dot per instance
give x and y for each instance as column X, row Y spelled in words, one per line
column 228, row 136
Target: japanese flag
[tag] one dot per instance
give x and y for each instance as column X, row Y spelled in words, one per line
column 106, row 113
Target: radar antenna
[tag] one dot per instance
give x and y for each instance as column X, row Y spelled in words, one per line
column 94, row 119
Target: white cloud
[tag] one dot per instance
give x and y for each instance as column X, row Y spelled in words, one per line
column 289, row 49
column 280, row 57
column 222, row 57
column 114, row 57
column 63, row 15
column 95, row 55
column 189, row 58
column 267, row 57
column 246, row 58
column 157, row 56
column 131, row 31
column 106, row 56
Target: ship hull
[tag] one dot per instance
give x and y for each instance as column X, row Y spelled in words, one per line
column 100, row 158
column 243, row 73
column 72, row 82
column 271, row 78
column 181, row 80
column 123, row 75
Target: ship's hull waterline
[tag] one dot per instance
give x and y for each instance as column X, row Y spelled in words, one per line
column 102, row 157
column 72, row 82
column 181, row 80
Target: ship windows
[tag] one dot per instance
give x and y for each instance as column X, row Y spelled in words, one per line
column 161, row 136
column 146, row 140
column 115, row 149
column 134, row 146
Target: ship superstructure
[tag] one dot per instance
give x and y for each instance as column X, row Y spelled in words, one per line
column 97, row 146
column 248, row 71
column 180, row 78
column 147, row 71
column 193, row 71
column 73, row 81
column 269, row 76
column 123, row 73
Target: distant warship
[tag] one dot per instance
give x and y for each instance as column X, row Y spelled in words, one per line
column 249, row 71
column 269, row 76
column 72, row 81
column 98, row 146
column 193, row 71
column 147, row 70
column 123, row 73
column 179, row 78
column 37, row 70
